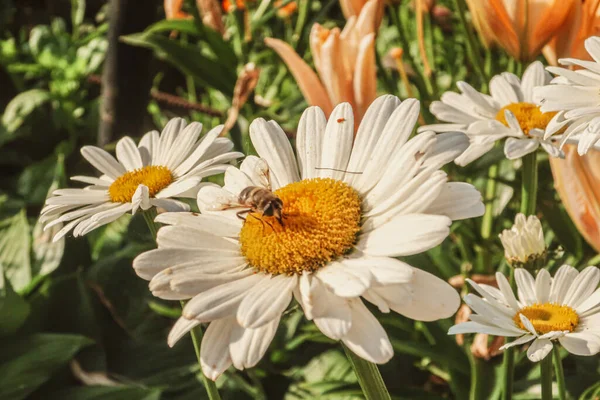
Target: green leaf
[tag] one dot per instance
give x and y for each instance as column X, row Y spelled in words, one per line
column 167, row 25
column 20, row 107
column 14, row 249
column 188, row 59
column 77, row 13
column 106, row 393
column 13, row 309
column 26, row 363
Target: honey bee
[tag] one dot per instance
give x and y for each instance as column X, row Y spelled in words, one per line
column 261, row 200
column 258, row 199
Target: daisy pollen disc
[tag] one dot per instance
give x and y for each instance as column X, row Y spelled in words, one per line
column 321, row 223
column 155, row 177
column 528, row 115
column 548, row 317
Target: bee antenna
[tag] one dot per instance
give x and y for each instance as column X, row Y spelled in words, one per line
column 339, row 170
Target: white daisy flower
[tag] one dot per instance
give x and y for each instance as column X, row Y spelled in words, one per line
column 345, row 206
column 564, row 308
column 162, row 166
column 524, row 244
column 509, row 112
column 576, row 97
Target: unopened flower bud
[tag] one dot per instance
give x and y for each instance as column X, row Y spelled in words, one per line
column 524, row 245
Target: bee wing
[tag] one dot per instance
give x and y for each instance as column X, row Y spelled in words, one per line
column 262, row 170
column 224, row 202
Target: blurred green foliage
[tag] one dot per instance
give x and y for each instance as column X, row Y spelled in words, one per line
column 76, row 321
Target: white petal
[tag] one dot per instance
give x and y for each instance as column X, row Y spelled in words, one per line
column 516, row 148
column 581, row 343
column 534, row 76
column 432, row 298
column 475, row 327
column 543, row 282
column 367, row 338
column 309, row 139
column 147, row 146
column 458, row 200
column 337, row 143
column 369, row 133
column 103, row 161
column 196, row 156
column 266, row 301
column 583, row 286
column 561, row 283
column 589, row 303
column 405, row 235
column 214, row 351
column 248, row 346
column 526, row 286
column 179, row 330
column 128, row 154
column 344, row 281
column 272, row 144
column 177, row 188
column 507, row 291
column 170, row 205
column 140, row 199
column 539, row 349
column 185, row 237
column 522, row 340
column 397, row 130
column 213, row 224
column 221, row 301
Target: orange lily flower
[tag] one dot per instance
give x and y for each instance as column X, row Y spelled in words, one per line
column 577, row 180
column 287, row 10
column 344, row 60
column 582, row 22
column 173, row 9
column 209, row 10
column 352, row 8
column 521, row 27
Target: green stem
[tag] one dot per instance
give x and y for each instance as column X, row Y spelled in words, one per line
column 529, row 184
column 560, row 375
column 149, row 216
column 472, row 51
column 196, row 333
column 488, row 216
column 368, row 376
column 508, row 360
column 546, row 378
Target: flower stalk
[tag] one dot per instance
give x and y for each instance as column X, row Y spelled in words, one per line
column 529, row 184
column 369, row 377
column 196, row 333
column 546, row 378
column 560, row 375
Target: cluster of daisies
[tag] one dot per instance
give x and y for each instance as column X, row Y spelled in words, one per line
column 324, row 223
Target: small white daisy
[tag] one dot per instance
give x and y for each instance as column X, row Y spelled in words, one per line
column 163, row 166
column 575, row 94
column 564, row 308
column 509, row 112
column 524, row 244
column 349, row 206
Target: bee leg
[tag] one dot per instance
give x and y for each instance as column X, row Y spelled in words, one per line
column 240, row 213
column 271, row 225
column 261, row 220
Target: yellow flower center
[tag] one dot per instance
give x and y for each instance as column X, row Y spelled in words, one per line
column 155, row 177
column 321, row 218
column 548, row 317
column 528, row 115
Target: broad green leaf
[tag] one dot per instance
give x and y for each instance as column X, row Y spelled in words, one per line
column 14, row 248
column 106, row 393
column 188, row 59
column 28, row 362
column 13, row 309
column 19, row 108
